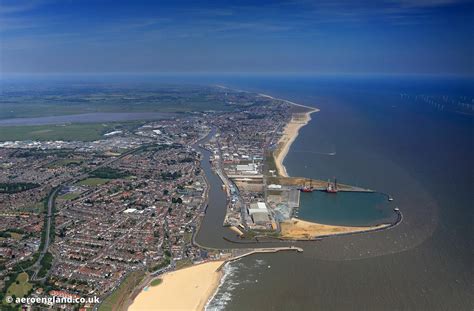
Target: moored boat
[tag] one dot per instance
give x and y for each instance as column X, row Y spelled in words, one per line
column 332, row 188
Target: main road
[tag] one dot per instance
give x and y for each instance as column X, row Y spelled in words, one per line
column 51, row 202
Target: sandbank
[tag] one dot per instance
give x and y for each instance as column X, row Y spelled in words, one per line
column 301, row 229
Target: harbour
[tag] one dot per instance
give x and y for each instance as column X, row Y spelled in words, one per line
column 366, row 160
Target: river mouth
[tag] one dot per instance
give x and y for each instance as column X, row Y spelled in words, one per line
column 346, row 208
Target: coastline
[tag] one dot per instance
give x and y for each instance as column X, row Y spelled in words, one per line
column 186, row 289
column 200, row 284
column 290, row 133
column 307, row 230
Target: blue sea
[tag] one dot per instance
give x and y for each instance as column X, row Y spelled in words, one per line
column 408, row 136
column 411, row 137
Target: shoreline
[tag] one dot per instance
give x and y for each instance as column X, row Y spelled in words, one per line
column 192, row 280
column 290, row 133
column 189, row 288
column 300, row 229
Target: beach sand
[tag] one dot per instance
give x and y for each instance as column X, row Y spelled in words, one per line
column 300, row 229
column 185, row 289
column 298, row 120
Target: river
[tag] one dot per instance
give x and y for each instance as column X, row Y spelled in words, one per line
column 87, row 118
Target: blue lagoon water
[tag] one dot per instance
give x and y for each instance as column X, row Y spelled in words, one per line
column 346, row 208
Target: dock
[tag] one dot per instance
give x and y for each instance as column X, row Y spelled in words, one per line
column 262, row 251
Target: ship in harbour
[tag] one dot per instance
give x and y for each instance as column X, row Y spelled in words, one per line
column 332, row 187
column 306, row 188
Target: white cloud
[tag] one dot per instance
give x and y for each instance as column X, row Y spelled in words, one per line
column 18, row 6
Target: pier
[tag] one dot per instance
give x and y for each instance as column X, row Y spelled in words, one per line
column 263, row 250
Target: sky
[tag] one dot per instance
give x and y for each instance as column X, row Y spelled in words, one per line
column 297, row 36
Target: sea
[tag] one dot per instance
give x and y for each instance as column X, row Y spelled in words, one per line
column 411, row 137
column 407, row 136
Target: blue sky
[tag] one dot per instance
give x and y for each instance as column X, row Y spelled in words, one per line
column 326, row 36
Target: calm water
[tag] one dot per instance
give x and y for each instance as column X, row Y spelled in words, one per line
column 346, row 208
column 86, row 118
column 420, row 154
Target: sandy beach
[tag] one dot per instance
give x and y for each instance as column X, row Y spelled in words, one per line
column 300, row 229
column 298, row 120
column 185, row 289
column 290, row 132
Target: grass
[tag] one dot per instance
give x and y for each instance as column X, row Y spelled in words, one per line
column 22, row 288
column 82, row 132
column 46, row 264
column 108, row 173
column 161, row 264
column 37, row 207
column 119, row 297
column 93, row 181
column 16, row 236
column 298, row 109
column 69, row 196
column 187, row 237
column 156, row 282
column 162, row 99
column 183, row 263
column 269, row 163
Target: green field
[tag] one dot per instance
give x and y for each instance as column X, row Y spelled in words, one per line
column 22, row 288
column 108, row 173
column 93, row 181
column 69, row 196
column 27, row 103
column 15, row 235
column 156, row 282
column 183, row 263
column 37, row 208
column 83, row 132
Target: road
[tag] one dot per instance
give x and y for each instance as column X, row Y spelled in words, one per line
column 51, row 201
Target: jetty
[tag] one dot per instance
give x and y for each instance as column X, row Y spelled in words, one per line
column 247, row 252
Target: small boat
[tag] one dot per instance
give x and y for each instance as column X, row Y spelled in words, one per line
column 390, row 199
column 396, row 209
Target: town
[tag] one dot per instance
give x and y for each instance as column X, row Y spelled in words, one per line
column 81, row 216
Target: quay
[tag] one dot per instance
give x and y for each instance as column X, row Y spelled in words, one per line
column 261, row 251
